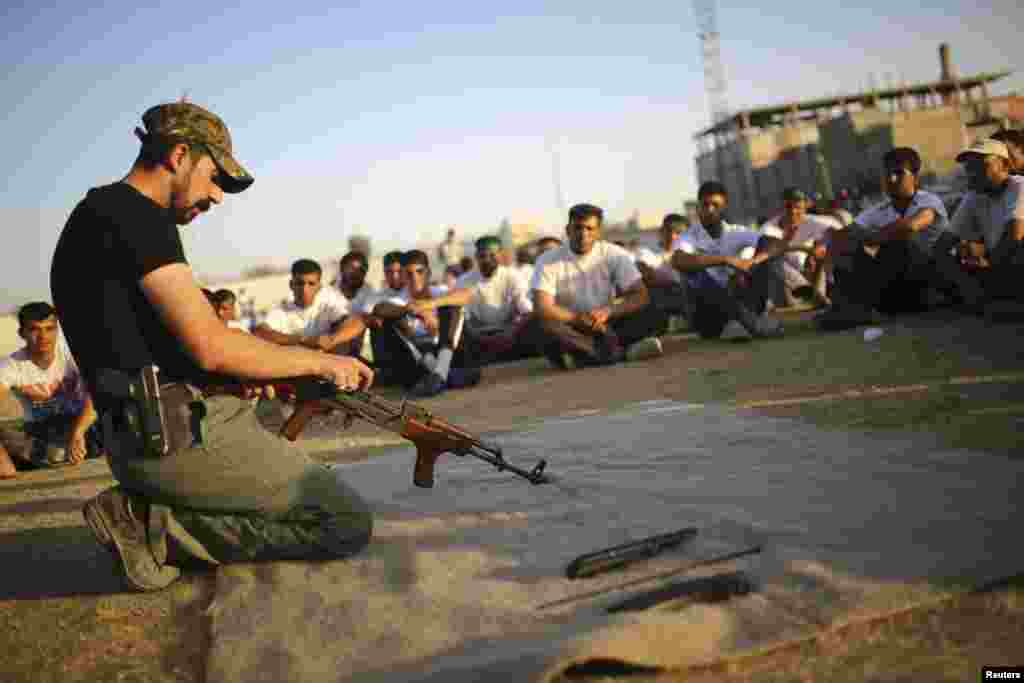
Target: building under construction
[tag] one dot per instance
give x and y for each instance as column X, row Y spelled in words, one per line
column 835, row 143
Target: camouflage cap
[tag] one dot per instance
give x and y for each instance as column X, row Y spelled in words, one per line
column 191, row 122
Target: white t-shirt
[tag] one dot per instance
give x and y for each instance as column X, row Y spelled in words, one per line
column 871, row 220
column 983, row 217
column 583, row 283
column 328, row 307
column 418, row 328
column 363, row 302
column 660, row 261
column 731, row 242
column 496, row 300
column 525, row 271
column 807, row 233
column 61, row 381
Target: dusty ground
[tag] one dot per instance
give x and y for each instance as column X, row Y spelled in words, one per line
column 63, row 617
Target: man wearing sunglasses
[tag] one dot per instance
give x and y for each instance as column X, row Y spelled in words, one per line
column 885, row 260
column 199, row 478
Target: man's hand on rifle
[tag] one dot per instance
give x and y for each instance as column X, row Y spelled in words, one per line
column 346, row 373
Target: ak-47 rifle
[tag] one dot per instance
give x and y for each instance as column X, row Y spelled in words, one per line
column 431, row 435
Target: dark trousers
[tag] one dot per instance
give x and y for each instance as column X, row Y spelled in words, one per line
column 671, row 300
column 895, row 280
column 714, row 305
column 510, row 343
column 1003, row 280
column 588, row 348
column 396, row 362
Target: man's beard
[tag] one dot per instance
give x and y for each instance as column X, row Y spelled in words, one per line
column 184, row 216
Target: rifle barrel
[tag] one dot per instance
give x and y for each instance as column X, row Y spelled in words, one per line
column 600, row 561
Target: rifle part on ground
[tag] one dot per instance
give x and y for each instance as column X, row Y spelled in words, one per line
column 689, row 566
column 431, row 435
column 619, row 556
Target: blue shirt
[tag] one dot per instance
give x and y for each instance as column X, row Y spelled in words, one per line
column 731, row 242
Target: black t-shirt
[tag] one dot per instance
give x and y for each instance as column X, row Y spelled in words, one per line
column 113, row 238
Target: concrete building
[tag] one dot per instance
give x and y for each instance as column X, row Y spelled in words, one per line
column 827, row 144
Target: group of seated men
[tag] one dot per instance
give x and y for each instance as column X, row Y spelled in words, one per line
column 590, row 302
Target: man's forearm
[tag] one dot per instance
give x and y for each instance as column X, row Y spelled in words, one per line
column 632, row 302
column 459, row 297
column 279, row 338
column 688, row 263
column 555, row 312
column 352, row 327
column 85, row 419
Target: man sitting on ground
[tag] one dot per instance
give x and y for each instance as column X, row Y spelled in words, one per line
column 317, row 317
column 664, row 283
column 394, row 275
column 986, row 252
column 497, row 305
column 905, row 231
column 418, row 345
column 360, row 298
column 729, row 293
column 41, row 384
column 806, row 238
column 575, row 289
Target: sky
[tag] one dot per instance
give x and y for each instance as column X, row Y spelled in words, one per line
column 397, row 120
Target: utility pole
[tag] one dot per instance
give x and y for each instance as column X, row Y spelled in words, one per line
column 715, row 86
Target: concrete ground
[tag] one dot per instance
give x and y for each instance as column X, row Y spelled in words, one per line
column 63, row 616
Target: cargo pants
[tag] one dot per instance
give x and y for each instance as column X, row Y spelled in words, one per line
column 228, row 490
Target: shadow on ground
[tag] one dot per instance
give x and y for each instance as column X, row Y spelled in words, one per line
column 54, row 563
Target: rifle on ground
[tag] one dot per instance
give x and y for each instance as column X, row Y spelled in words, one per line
column 619, row 556
column 689, row 566
column 431, row 435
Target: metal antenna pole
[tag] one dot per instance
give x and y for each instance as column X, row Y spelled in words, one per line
column 715, row 85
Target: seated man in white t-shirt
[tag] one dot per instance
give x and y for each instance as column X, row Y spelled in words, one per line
column 420, row 346
column 318, row 317
column 729, row 291
column 665, row 284
column 360, row 296
column 589, row 300
column 806, row 236
column 41, row 384
column 906, row 232
column 986, row 255
column 497, row 305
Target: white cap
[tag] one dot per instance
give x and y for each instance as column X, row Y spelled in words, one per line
column 986, row 147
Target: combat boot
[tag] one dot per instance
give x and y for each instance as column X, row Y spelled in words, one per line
column 119, row 525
